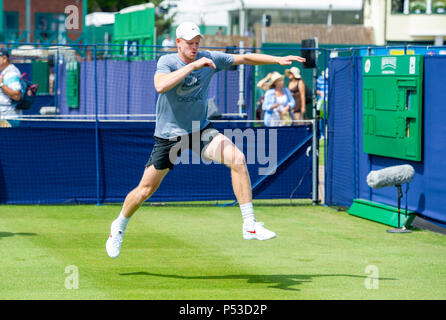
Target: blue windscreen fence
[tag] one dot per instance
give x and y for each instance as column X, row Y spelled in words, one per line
column 93, row 144
column 348, row 166
column 126, row 88
column 55, row 162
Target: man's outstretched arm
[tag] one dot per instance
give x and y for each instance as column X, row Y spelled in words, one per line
column 261, row 59
column 166, row 81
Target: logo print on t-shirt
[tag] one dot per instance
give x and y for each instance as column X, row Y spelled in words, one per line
column 190, row 84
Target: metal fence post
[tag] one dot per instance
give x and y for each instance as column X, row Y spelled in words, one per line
column 354, row 114
column 315, row 135
column 241, row 95
column 55, row 83
column 324, row 121
column 98, row 186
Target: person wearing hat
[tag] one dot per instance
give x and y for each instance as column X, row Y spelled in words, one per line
column 182, row 80
column 278, row 102
column 264, row 85
column 297, row 87
column 9, row 88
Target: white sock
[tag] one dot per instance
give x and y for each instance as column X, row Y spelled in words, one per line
column 247, row 212
column 121, row 222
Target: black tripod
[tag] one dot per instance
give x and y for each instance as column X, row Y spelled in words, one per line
column 403, row 228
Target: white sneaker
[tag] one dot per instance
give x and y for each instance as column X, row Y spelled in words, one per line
column 257, row 231
column 114, row 242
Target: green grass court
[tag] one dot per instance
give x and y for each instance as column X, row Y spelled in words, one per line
column 196, row 251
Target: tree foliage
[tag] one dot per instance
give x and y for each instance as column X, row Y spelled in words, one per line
column 111, row 5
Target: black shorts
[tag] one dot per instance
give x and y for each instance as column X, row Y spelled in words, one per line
column 162, row 157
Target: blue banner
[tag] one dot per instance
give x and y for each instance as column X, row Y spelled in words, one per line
column 60, row 162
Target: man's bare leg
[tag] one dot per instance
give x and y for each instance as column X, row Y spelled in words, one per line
column 222, row 150
column 150, row 181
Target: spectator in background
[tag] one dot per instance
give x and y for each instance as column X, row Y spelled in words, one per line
column 9, row 89
column 219, row 31
column 298, row 88
column 322, row 97
column 168, row 43
column 52, row 75
column 322, row 89
column 249, row 32
column 264, row 85
column 52, row 79
column 278, row 103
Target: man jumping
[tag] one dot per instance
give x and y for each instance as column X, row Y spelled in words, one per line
column 182, row 80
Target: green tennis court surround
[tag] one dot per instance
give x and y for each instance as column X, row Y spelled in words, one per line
column 40, row 75
column 135, row 29
column 392, row 106
column 381, row 213
column 72, row 84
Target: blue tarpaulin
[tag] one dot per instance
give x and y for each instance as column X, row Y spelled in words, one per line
column 126, row 87
column 62, row 162
column 348, row 166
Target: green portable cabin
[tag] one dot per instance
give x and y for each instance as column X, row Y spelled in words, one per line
column 133, row 31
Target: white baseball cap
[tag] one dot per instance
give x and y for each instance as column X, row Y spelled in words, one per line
column 188, row 31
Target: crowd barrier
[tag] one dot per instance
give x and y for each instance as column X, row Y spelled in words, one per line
column 55, row 162
column 71, row 155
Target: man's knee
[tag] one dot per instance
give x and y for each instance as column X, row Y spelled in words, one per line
column 240, row 158
column 238, row 162
column 144, row 192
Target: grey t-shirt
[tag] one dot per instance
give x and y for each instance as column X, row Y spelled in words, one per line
column 187, row 101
